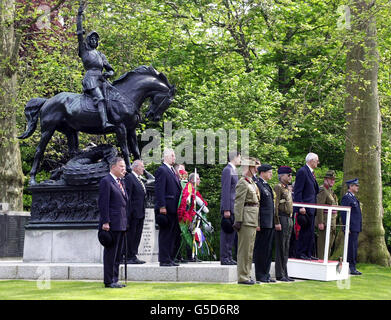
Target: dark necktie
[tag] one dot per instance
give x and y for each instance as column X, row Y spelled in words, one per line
column 173, row 171
column 120, row 186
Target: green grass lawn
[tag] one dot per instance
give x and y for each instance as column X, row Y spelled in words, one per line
column 375, row 283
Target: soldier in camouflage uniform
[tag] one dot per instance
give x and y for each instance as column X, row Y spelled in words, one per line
column 327, row 196
column 246, row 220
column 283, row 221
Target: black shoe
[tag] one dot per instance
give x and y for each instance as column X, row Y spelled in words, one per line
column 226, row 263
column 233, row 262
column 271, row 280
column 135, row 261
column 304, row 257
column 248, row 282
column 290, row 279
column 114, row 285
column 282, row 279
column 314, row 258
column 174, row 264
column 166, row 264
column 355, row 272
column 263, row 280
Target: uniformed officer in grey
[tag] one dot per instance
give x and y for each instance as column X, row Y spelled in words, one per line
column 283, row 221
column 355, row 226
column 246, row 220
column 327, row 196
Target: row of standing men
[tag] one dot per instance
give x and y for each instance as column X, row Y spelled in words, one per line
column 121, row 204
column 117, row 215
column 260, row 215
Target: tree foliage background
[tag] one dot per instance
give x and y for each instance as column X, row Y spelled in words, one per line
column 276, row 68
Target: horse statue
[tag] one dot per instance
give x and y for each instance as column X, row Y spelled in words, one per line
column 70, row 113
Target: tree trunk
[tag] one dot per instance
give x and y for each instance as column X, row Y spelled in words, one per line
column 363, row 132
column 11, row 175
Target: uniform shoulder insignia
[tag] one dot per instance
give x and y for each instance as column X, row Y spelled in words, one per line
column 247, row 179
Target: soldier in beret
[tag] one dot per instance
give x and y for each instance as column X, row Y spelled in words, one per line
column 263, row 247
column 283, row 221
column 246, row 220
column 327, row 196
column 355, row 226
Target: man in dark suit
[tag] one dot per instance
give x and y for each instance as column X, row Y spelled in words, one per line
column 229, row 179
column 167, row 192
column 263, row 247
column 112, row 208
column 305, row 190
column 355, row 225
column 135, row 210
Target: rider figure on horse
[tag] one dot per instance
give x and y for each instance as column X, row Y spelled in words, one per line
column 93, row 61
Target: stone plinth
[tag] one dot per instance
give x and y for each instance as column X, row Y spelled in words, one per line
column 189, row 272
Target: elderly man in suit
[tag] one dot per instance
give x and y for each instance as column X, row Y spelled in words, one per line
column 229, row 179
column 167, row 192
column 112, row 208
column 305, row 190
column 135, row 210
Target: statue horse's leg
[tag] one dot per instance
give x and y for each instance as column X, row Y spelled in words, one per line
column 73, row 141
column 46, row 135
column 120, row 131
column 132, row 143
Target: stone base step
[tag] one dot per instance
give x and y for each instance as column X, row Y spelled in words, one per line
column 189, row 272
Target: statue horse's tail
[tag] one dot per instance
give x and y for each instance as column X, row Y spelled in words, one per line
column 31, row 111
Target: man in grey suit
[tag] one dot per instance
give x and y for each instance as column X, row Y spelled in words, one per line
column 229, row 179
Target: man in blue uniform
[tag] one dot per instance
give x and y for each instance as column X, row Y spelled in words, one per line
column 355, row 225
column 263, row 247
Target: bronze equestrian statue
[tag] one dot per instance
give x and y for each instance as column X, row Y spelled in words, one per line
column 70, row 113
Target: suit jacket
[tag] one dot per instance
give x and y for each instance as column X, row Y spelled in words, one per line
column 229, row 180
column 349, row 200
column 167, row 190
column 136, row 197
column 266, row 208
column 306, row 188
column 112, row 204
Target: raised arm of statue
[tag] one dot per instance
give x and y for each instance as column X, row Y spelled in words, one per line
column 80, row 31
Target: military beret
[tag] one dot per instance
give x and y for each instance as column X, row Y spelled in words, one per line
column 105, row 238
column 284, row 170
column 264, row 167
column 330, row 174
column 352, row 181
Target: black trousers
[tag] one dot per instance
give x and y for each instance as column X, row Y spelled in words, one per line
column 305, row 244
column 133, row 236
column 283, row 238
column 263, row 250
column 352, row 250
column 167, row 239
column 111, row 258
